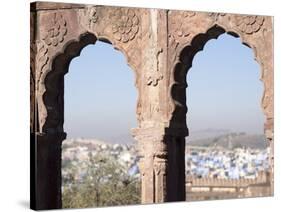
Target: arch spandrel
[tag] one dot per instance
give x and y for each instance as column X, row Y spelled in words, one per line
column 60, row 29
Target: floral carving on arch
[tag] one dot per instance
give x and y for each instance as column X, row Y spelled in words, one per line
column 58, row 46
column 56, row 30
column 125, row 25
column 88, row 17
column 180, row 27
column 247, row 27
column 254, row 32
column 249, row 24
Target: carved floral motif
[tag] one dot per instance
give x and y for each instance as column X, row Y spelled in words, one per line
column 54, row 34
column 92, row 15
column 216, row 16
column 41, row 61
column 180, row 28
column 154, row 77
column 125, row 25
column 56, row 31
column 249, row 24
column 88, row 17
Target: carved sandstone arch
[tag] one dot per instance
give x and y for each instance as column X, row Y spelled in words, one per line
column 53, row 96
column 53, row 80
column 61, row 31
column 254, row 32
column 184, row 63
column 61, row 37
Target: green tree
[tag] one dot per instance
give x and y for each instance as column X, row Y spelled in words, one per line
column 105, row 183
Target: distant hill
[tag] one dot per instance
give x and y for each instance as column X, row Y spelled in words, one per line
column 120, row 139
column 207, row 133
column 228, row 140
column 68, row 143
column 209, row 137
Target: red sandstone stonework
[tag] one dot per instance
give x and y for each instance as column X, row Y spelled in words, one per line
column 159, row 46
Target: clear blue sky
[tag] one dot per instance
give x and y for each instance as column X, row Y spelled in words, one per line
column 224, row 88
column 224, row 91
column 100, row 96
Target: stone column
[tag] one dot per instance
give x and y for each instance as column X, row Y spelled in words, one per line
column 176, row 169
column 152, row 150
column 46, row 170
column 162, row 165
column 270, row 139
column 161, row 148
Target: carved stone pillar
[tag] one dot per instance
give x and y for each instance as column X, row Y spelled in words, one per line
column 153, row 152
column 161, row 165
column 46, row 170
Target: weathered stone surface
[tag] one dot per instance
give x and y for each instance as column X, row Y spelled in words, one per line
column 159, row 46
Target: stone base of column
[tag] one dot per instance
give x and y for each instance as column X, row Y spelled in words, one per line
column 45, row 171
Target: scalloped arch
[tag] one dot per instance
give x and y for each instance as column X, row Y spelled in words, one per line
column 51, row 102
column 183, row 63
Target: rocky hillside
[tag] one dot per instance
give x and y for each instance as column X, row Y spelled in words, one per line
column 230, row 141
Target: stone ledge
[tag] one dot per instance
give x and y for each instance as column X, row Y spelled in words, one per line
column 35, row 6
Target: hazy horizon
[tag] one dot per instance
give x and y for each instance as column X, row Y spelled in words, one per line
column 224, row 91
